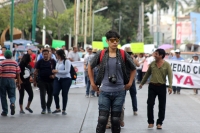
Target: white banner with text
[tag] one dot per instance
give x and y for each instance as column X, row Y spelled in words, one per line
column 185, row 74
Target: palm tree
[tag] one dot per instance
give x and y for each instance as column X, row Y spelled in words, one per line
column 181, row 3
column 195, row 6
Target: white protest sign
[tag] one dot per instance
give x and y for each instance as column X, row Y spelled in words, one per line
column 79, row 68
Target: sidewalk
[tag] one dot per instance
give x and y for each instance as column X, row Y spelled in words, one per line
column 182, row 115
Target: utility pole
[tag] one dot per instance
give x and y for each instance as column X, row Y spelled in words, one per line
column 44, row 27
column 83, row 10
column 142, row 13
column 85, row 24
column 120, row 22
column 175, row 14
column 157, row 23
column 69, row 38
column 34, row 20
column 77, row 22
column 11, row 24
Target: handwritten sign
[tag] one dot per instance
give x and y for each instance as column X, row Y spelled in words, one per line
column 137, row 47
column 97, row 45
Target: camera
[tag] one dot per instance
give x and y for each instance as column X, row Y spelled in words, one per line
column 113, row 79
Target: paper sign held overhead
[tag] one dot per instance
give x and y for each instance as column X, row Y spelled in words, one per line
column 119, row 46
column 137, row 47
column 105, row 44
column 58, row 43
column 97, row 45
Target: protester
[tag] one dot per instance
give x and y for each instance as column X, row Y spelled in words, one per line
column 195, row 60
column 26, row 84
column 65, row 50
column 9, row 70
column 177, row 57
column 33, row 60
column 158, row 69
column 51, row 52
column 113, row 78
column 141, row 60
column 39, row 56
column 133, row 90
column 43, row 71
column 86, row 62
column 73, row 55
column 62, row 81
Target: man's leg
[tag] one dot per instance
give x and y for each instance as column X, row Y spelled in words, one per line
column 178, row 90
column 50, row 95
column 87, row 87
column 42, row 86
column 133, row 93
column 3, row 97
column 150, row 103
column 104, row 108
column 11, row 94
column 116, row 109
column 162, row 104
column 174, row 89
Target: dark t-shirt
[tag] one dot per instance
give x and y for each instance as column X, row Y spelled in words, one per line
column 45, row 69
column 25, row 72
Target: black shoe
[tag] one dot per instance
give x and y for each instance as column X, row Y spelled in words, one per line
column 31, row 111
column 3, row 114
column 64, row 113
column 12, row 107
column 56, row 111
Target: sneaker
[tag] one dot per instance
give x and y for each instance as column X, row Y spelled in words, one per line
column 92, row 96
column 49, row 111
column 174, row 92
column 31, row 111
column 43, row 111
column 3, row 114
column 87, row 96
column 12, row 108
column 56, row 111
column 178, row 93
column 135, row 113
column 21, row 112
column 64, row 113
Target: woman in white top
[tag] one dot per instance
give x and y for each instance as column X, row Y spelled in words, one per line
column 62, row 81
column 195, row 60
column 141, row 60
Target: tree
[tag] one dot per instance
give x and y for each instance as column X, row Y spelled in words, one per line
column 194, row 6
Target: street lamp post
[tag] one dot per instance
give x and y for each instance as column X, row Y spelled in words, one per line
column 34, row 20
column 104, row 8
column 176, row 5
column 11, row 24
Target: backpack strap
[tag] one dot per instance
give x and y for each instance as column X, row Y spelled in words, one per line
column 122, row 52
column 102, row 54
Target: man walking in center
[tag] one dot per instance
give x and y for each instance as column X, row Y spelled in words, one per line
column 45, row 76
column 113, row 80
column 9, row 70
column 158, row 70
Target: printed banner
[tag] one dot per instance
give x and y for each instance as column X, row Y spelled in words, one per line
column 79, row 68
column 185, row 74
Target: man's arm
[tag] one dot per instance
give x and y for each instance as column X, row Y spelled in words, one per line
column 35, row 77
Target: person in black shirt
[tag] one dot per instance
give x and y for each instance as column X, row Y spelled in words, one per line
column 45, row 76
column 26, row 85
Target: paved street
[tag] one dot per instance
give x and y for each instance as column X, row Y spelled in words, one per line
column 182, row 115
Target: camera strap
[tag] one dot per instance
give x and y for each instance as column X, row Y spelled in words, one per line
column 116, row 69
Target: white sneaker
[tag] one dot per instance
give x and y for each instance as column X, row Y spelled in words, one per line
column 135, row 113
column 87, row 96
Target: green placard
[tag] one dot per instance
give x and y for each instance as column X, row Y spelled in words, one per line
column 58, row 43
column 137, row 47
column 97, row 45
column 105, row 44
